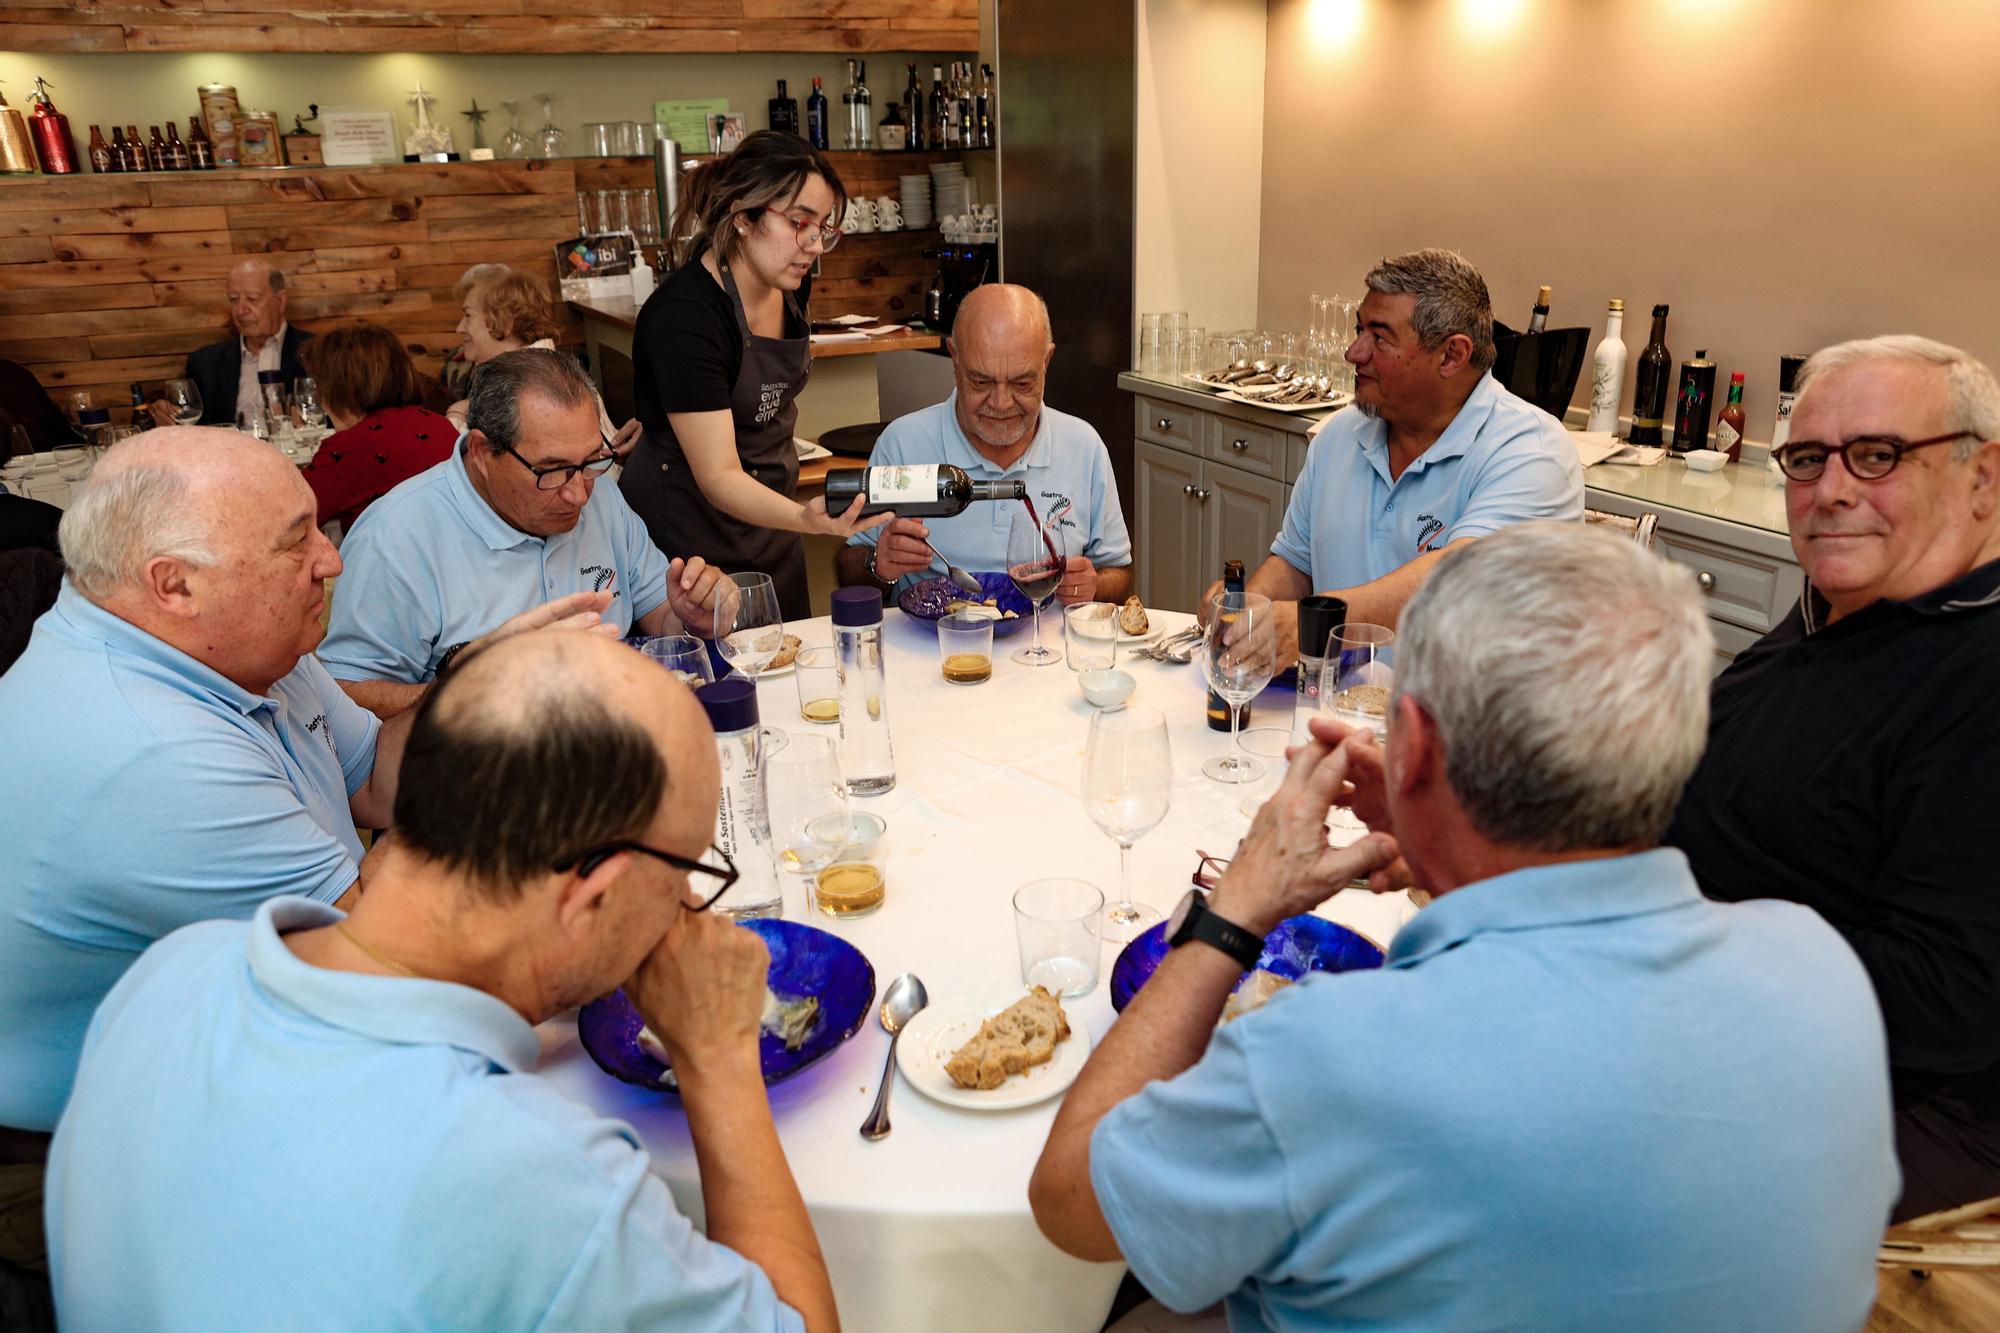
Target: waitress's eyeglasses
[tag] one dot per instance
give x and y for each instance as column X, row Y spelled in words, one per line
column 829, row 235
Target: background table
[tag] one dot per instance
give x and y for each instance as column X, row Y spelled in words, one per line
column 929, row 1228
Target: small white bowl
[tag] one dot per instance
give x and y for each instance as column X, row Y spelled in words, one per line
column 1107, row 687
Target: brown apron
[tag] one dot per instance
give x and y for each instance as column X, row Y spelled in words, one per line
column 662, row 490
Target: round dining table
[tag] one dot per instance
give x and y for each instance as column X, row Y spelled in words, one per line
column 929, row 1228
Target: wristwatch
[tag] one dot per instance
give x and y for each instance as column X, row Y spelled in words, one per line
column 874, row 573
column 1193, row 920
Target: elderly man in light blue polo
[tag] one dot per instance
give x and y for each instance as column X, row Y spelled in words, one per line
column 1579, row 1095
column 996, row 427
column 513, row 518
column 1433, row 453
column 363, row 1086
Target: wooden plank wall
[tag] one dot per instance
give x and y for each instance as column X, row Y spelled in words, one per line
column 108, row 280
column 531, row 27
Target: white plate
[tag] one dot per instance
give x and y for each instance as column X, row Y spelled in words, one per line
column 1318, row 405
column 936, row 1033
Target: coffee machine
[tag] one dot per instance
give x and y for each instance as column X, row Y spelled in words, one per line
column 961, row 267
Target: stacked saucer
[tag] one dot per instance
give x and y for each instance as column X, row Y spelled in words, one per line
column 948, row 188
column 916, row 191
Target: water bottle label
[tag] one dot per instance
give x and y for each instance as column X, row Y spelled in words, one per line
column 903, row 483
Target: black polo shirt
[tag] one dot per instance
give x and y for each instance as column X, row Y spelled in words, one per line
column 1852, row 767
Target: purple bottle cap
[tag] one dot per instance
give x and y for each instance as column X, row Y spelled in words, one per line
column 731, row 704
column 857, row 606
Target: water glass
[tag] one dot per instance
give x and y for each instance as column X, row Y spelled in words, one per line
column 305, row 397
column 1090, row 633
column 965, row 648
column 1268, row 744
column 1149, row 345
column 807, row 802
column 1058, row 925
column 856, row 883
column 1358, row 676
column 684, row 655
column 817, row 675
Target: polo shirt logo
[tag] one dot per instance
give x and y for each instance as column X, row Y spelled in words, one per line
column 1059, row 511
column 600, row 576
column 1428, row 527
column 319, row 725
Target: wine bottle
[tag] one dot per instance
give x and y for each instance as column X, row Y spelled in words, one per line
column 1607, row 371
column 1218, row 707
column 914, row 490
column 816, row 128
column 140, row 418
column 983, row 113
column 1539, row 318
column 940, row 117
column 1729, row 426
column 1650, row 383
column 847, row 134
column 913, row 112
column 968, row 134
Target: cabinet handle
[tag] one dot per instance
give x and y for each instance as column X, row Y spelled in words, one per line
column 1166, row 423
column 1188, row 489
column 1705, row 581
column 1201, row 494
column 1239, row 445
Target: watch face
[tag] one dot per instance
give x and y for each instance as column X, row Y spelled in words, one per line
column 1180, row 914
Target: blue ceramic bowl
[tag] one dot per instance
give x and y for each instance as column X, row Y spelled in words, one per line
column 1299, row 945
column 927, row 602
column 804, row 961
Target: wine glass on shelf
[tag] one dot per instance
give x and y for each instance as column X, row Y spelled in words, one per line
column 1239, row 657
column 1034, row 567
column 749, row 630
column 1128, row 776
column 807, row 802
column 186, row 400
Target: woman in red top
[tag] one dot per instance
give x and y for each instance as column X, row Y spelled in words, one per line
column 373, row 394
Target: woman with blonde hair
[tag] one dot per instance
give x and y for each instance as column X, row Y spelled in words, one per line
column 503, row 310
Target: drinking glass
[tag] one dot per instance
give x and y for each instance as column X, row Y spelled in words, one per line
column 965, row 648
column 1128, row 780
column 1269, row 745
column 305, row 397
column 186, row 399
column 1090, row 636
column 1149, row 344
column 807, row 802
column 817, row 674
column 1187, row 350
column 1354, row 684
column 252, row 420
column 749, row 629
column 1058, row 924
column 684, row 655
column 1239, row 658
column 1034, row 566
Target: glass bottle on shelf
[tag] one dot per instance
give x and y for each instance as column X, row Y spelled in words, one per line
column 817, row 130
column 100, row 151
column 940, row 118
column 784, row 111
column 121, row 152
column 983, row 113
column 177, row 152
column 201, row 152
column 967, row 134
column 549, row 142
column 156, row 150
column 916, row 134
column 864, row 110
column 848, row 137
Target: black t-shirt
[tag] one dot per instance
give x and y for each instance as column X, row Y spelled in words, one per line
column 1850, row 767
column 687, row 350
column 25, row 522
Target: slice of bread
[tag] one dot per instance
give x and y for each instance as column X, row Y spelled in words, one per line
column 1016, row 1039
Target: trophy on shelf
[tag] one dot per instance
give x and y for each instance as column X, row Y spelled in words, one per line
column 480, row 152
column 550, row 140
column 513, row 144
column 426, row 141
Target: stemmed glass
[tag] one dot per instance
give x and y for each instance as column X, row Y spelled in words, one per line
column 1239, row 657
column 684, row 655
column 513, row 144
column 749, row 630
column 305, row 397
column 186, row 399
column 550, row 140
column 1128, row 776
column 1034, row 567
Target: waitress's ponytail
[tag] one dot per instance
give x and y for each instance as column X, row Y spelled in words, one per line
column 768, row 168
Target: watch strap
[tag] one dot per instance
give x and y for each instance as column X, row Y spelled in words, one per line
column 1221, row 933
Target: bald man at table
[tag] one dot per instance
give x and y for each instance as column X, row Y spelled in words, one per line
column 368, row 1081
column 996, row 426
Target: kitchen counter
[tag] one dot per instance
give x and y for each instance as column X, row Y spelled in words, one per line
column 622, row 312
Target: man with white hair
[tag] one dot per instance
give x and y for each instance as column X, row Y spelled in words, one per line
column 170, row 750
column 1571, row 1098
column 226, row 372
column 1850, row 756
column 996, row 426
column 1433, row 453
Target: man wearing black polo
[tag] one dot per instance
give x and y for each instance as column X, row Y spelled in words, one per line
column 1850, row 761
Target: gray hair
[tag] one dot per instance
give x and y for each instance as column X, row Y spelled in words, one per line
column 1567, row 671
column 475, row 275
column 1451, row 298
column 493, row 399
column 1974, row 396
column 126, row 516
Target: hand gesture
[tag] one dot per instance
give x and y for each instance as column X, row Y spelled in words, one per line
column 904, row 548
column 579, row 610
column 627, row 436
column 816, row 519
column 1366, row 792
column 701, row 991
column 1078, row 582
column 691, row 595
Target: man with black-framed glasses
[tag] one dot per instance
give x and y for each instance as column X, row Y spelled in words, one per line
column 515, row 510
column 367, row 1080
column 1850, row 755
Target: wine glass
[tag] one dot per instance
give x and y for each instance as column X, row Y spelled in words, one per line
column 550, row 140
column 513, row 144
column 1034, row 566
column 749, row 630
column 305, row 397
column 684, row 655
column 807, row 802
column 1239, row 657
column 1128, row 776
column 186, row 400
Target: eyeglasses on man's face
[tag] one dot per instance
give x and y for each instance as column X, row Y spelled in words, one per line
column 805, row 229
column 555, row 476
column 1867, row 457
column 722, row 876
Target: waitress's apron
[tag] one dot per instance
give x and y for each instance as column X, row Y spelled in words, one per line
column 763, row 405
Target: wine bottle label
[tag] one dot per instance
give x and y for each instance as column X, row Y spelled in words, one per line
column 902, row 484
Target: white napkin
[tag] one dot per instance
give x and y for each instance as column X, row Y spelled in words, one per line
column 1601, row 446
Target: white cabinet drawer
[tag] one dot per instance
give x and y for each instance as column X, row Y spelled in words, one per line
column 1730, row 639
column 1257, row 449
column 1741, row 586
column 1167, row 423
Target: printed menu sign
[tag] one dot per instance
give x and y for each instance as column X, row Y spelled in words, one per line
column 358, row 138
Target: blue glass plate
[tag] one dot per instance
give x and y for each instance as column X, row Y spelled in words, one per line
column 926, row 602
column 1299, row 945
column 804, row 961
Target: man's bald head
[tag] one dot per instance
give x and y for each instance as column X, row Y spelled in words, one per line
column 544, row 746
column 1002, row 312
column 257, row 299
column 1000, row 350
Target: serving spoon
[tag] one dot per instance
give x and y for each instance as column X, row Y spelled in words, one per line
column 905, row 1000
column 964, row 581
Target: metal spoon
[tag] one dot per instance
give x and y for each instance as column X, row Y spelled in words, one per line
column 962, row 580
column 904, row 1001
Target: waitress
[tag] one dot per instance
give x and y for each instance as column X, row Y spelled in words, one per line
column 722, row 350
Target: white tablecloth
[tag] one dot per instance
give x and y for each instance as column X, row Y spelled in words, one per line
column 929, row 1228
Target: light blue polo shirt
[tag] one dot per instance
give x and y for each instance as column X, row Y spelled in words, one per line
column 1501, row 461
column 144, row 791
column 1067, row 463
column 1577, row 1097
column 430, row 565
column 258, row 1143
